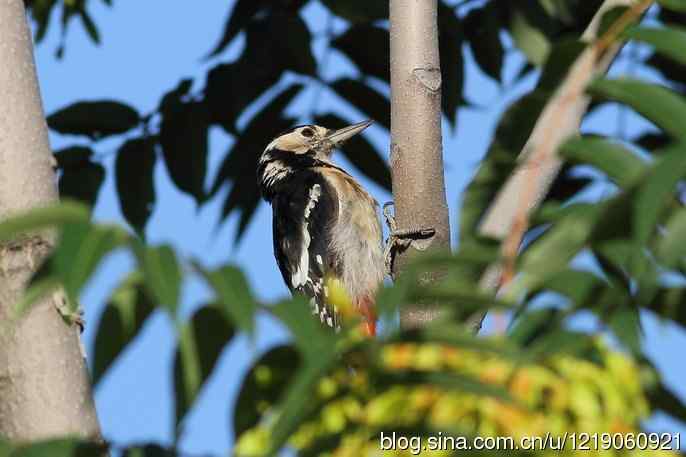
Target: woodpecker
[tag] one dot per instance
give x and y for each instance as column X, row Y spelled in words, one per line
column 325, row 224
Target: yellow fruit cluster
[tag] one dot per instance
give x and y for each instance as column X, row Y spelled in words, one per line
column 480, row 394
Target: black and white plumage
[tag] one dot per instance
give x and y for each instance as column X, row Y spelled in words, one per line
column 325, row 225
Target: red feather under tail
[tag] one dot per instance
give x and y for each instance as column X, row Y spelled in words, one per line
column 366, row 307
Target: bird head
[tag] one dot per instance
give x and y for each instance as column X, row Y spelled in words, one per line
column 314, row 140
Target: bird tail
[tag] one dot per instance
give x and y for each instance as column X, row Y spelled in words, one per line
column 346, row 307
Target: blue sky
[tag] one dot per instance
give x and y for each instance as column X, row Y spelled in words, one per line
column 147, row 48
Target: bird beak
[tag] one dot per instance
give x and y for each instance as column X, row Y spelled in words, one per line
column 340, row 136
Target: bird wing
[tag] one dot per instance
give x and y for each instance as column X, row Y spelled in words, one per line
column 303, row 215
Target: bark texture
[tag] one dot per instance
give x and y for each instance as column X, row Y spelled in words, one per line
column 507, row 217
column 44, row 385
column 416, row 148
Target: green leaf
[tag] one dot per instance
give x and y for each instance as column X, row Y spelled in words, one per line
column 125, row 314
column 149, row 450
column 364, row 98
column 662, row 398
column 264, row 385
column 233, row 295
column 81, row 178
column 60, row 447
column 566, row 238
column 669, row 41
column 529, row 39
column 450, row 41
column 566, row 185
column 294, row 53
column 676, row 5
column 40, row 218
column 162, row 274
column 580, row 287
column 41, row 12
column 311, row 337
column 134, row 170
column 358, row 10
column 660, row 105
column 94, row 119
column 671, row 247
column 655, row 194
column 625, row 323
column 361, row 153
column 671, row 70
column 532, row 325
column 183, row 137
column 201, row 342
column 670, row 303
column 244, row 11
column 90, row 26
column 231, row 88
column 297, row 399
column 618, row 163
column 89, row 244
column 368, row 47
column 241, row 14
column 240, row 164
column 482, row 29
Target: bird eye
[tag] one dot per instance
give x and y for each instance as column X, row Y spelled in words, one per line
column 307, row 132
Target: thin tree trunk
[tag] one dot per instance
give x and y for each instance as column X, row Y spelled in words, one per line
column 44, row 385
column 416, row 149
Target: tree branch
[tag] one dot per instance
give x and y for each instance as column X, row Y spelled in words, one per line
column 507, row 218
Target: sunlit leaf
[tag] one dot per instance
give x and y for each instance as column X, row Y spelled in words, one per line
column 162, row 274
column 658, row 104
column 655, row 194
column 89, row 244
column 201, row 342
column 618, row 163
column 233, row 295
column 127, row 310
column 671, row 247
column 670, row 41
column 60, row 447
column 529, row 39
column 40, row 218
column 311, row 337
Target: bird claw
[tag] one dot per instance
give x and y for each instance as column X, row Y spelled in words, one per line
column 401, row 239
column 71, row 317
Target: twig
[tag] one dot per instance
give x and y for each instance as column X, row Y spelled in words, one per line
column 508, row 217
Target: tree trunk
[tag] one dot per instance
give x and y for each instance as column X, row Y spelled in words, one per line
column 44, row 385
column 416, row 148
